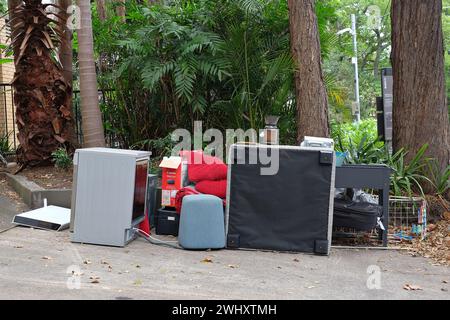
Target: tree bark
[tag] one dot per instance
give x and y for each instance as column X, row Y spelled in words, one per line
column 65, row 50
column 41, row 94
column 120, row 9
column 101, row 9
column 420, row 112
column 13, row 4
column 310, row 92
column 92, row 124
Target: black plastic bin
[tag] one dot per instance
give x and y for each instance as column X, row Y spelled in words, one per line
column 167, row 222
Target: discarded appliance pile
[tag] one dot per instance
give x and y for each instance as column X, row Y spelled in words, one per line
column 268, row 197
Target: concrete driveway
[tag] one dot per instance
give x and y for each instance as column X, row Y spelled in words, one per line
column 37, row 264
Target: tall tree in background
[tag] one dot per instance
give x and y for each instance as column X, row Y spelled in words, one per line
column 41, row 93
column 101, row 9
column 65, row 49
column 93, row 133
column 420, row 111
column 310, row 91
column 120, row 9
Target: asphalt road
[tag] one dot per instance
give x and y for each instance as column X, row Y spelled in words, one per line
column 37, row 264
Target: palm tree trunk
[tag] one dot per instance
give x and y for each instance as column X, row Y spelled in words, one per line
column 12, row 4
column 65, row 50
column 41, row 94
column 93, row 133
column 310, row 91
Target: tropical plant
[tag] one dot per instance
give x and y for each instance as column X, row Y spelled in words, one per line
column 42, row 96
column 355, row 131
column 62, row 159
column 440, row 178
column 406, row 176
column 365, row 151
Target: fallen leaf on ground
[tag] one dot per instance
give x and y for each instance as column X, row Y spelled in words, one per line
column 207, row 260
column 411, row 287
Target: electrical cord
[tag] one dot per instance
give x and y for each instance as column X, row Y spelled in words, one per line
column 7, row 229
column 156, row 241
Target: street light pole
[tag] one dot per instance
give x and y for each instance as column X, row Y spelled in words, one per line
column 353, row 32
column 355, row 63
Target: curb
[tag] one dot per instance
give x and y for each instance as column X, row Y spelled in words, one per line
column 33, row 195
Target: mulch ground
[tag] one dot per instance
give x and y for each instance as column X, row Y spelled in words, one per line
column 47, row 177
column 436, row 245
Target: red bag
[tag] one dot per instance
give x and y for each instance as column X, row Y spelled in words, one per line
column 216, row 188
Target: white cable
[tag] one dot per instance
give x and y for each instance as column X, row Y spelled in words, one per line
column 150, row 239
column 149, row 236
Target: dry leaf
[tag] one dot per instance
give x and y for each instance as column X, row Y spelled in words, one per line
column 410, row 287
column 207, row 260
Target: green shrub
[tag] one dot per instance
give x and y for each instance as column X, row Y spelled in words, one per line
column 359, row 141
column 439, row 177
column 62, row 159
column 5, row 146
column 408, row 177
column 348, row 135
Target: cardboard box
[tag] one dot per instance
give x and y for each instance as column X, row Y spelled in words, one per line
column 174, row 178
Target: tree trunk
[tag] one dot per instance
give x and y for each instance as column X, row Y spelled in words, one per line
column 41, row 94
column 65, row 50
column 92, row 124
column 101, row 9
column 12, row 4
column 420, row 112
column 120, row 9
column 310, row 91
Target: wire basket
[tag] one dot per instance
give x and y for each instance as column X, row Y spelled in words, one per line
column 407, row 218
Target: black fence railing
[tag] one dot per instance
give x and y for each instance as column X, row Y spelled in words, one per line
column 8, row 128
column 107, row 100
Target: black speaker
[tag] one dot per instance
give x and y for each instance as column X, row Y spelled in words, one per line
column 290, row 210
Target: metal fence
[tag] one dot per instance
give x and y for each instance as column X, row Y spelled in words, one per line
column 8, row 128
column 107, row 100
